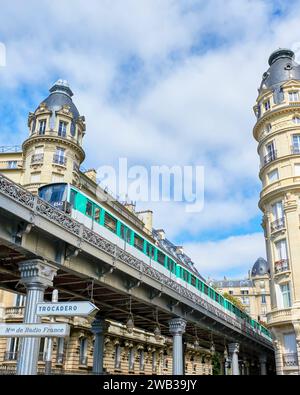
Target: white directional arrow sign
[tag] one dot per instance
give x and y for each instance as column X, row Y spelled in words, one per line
column 34, row 330
column 66, row 309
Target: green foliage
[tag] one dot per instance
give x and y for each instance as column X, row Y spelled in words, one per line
column 234, row 300
column 216, row 364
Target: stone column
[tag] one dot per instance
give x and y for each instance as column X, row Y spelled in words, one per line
column 36, row 277
column 263, row 365
column 177, row 329
column 278, row 357
column 99, row 327
column 233, row 349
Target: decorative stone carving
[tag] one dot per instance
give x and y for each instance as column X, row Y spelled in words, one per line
column 177, row 326
column 36, row 271
column 233, row 348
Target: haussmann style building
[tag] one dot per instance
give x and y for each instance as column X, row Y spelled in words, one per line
column 277, row 132
column 253, row 292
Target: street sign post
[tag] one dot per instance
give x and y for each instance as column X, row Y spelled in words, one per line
column 73, row 309
column 34, row 330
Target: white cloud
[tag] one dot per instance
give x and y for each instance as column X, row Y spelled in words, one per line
column 235, row 254
column 189, row 100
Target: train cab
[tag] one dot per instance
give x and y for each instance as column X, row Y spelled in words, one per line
column 56, row 195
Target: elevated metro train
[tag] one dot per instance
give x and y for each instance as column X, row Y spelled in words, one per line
column 94, row 216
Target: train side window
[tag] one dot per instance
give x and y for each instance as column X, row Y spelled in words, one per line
column 97, row 214
column 150, row 250
column 185, row 275
column 110, row 222
column 171, row 265
column 73, row 196
column 138, row 242
column 89, row 208
column 160, row 257
column 125, row 233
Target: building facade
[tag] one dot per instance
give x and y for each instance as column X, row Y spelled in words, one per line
column 51, row 154
column 277, row 132
column 253, row 292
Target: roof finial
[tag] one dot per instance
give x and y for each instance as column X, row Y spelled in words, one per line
column 62, row 86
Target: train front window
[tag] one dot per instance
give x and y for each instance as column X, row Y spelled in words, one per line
column 56, row 194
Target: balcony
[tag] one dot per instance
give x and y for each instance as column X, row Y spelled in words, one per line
column 290, row 360
column 270, row 157
column 295, row 149
column 14, row 312
column 59, row 160
column 10, row 356
column 279, row 317
column 278, row 225
column 36, row 159
column 281, row 266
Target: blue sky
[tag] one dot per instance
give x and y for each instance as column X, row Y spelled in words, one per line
column 160, row 82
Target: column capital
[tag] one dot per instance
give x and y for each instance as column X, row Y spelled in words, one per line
column 99, row 326
column 234, row 348
column 36, row 271
column 177, row 326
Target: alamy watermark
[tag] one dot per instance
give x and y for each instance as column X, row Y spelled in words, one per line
column 2, row 55
column 153, row 184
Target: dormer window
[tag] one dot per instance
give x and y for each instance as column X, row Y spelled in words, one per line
column 267, row 105
column 42, row 126
column 62, row 129
column 294, row 96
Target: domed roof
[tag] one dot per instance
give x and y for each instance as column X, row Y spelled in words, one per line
column 61, row 95
column 282, row 68
column 260, row 268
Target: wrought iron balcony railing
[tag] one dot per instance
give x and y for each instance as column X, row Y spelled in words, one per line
column 38, row 158
column 10, row 356
column 282, row 266
column 270, row 157
column 278, row 224
column 59, row 160
column 15, row 311
column 290, row 359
